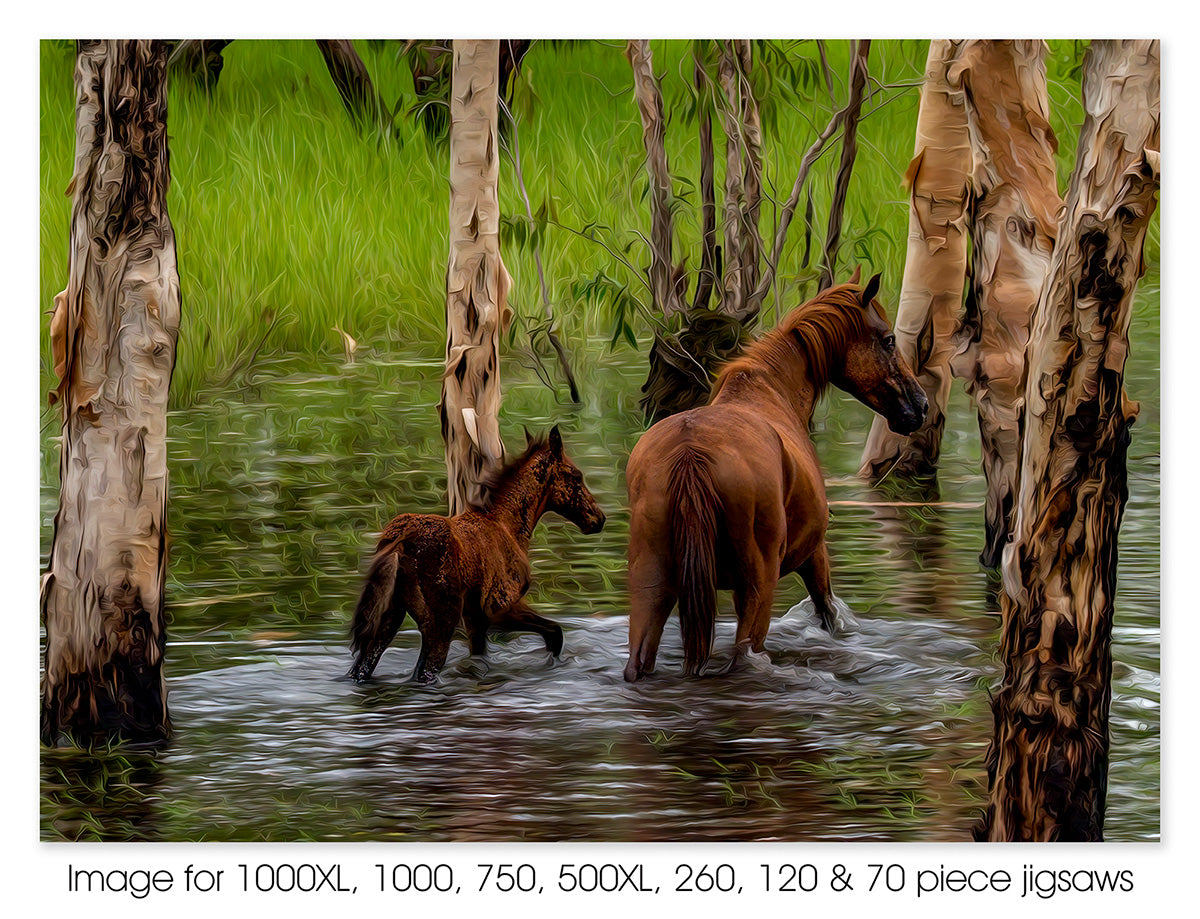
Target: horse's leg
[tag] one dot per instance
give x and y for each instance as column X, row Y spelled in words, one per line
column 651, row 598
column 815, row 573
column 754, row 598
column 438, row 623
column 520, row 617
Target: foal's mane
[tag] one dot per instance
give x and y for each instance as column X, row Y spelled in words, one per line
column 496, row 481
column 823, row 326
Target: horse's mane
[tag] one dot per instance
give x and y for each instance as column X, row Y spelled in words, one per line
column 494, row 482
column 822, row 326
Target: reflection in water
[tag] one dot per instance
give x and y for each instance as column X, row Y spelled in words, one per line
column 877, row 734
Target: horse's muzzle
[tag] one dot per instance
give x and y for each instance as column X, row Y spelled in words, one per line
column 593, row 524
column 911, row 414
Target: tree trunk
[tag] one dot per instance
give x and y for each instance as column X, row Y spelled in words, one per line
column 681, row 364
column 858, row 84
column 934, row 269
column 113, row 336
column 477, row 282
column 512, row 52
column 200, row 61
column 707, row 276
column 743, row 181
column 1048, row 762
column 1013, row 219
column 665, row 276
column 353, row 83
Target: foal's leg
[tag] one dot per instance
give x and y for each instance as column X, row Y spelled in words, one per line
column 651, row 598
column 815, row 573
column 520, row 617
column 476, row 623
column 438, row 623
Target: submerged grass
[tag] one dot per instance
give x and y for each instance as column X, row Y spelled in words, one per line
column 290, row 224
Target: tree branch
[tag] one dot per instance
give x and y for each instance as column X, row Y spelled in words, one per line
column 858, row 82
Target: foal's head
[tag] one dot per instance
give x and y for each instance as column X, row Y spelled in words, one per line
column 565, row 492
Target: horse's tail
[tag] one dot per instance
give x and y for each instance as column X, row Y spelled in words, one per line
column 375, row 623
column 694, row 503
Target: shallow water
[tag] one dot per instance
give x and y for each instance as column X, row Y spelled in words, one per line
column 277, row 491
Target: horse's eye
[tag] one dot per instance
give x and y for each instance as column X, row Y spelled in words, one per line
column 889, row 342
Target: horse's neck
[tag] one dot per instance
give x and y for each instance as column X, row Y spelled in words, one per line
column 787, row 393
column 520, row 506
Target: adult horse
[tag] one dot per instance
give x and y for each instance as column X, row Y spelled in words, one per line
column 730, row 496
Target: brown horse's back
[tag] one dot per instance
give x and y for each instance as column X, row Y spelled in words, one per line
column 758, row 472
column 722, row 498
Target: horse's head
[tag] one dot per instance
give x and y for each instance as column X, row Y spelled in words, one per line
column 566, row 494
column 875, row 373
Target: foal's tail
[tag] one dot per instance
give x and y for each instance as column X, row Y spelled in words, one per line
column 375, row 624
column 694, row 505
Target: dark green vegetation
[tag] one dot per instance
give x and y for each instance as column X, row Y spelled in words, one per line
column 285, row 461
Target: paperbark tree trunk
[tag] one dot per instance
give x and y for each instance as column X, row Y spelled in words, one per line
column 1013, row 217
column 1048, row 762
column 113, row 335
column 934, row 269
column 477, row 282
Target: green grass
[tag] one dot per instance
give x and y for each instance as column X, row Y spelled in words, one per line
column 289, row 223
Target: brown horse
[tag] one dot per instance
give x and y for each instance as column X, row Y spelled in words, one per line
column 472, row 568
column 729, row 496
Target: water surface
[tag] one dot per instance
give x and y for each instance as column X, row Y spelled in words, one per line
column 281, row 481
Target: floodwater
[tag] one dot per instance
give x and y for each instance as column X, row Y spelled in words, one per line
column 279, row 485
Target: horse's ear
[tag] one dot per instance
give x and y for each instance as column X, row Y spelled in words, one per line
column 857, row 274
column 556, row 443
column 871, row 289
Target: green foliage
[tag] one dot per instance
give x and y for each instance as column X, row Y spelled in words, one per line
column 289, row 223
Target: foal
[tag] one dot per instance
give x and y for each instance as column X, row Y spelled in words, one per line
column 472, row 568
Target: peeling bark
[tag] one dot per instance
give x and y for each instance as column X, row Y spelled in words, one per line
column 1013, row 219
column 934, row 269
column 1048, row 762
column 113, row 337
column 477, row 283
